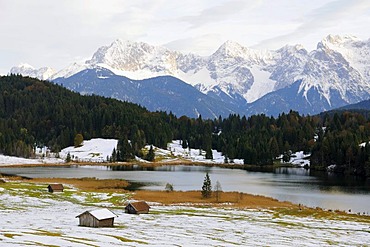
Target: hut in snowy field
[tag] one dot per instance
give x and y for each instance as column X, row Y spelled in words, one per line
column 137, row 208
column 97, row 218
column 55, row 188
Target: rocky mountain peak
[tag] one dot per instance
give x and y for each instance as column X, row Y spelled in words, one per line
column 331, row 41
column 233, row 50
column 25, row 69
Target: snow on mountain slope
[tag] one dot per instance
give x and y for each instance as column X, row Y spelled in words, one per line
column 354, row 51
column 263, row 84
column 328, row 70
column 136, row 57
column 72, row 69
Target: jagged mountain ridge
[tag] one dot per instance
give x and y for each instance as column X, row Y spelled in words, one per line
column 43, row 73
column 339, row 66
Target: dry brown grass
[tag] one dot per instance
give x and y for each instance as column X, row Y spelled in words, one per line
column 232, row 199
column 88, row 184
column 226, row 199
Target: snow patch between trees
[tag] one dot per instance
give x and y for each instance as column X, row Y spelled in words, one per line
column 99, row 150
column 175, row 148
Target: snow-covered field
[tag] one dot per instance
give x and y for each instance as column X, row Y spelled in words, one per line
column 11, row 160
column 32, row 217
column 94, row 150
column 98, row 150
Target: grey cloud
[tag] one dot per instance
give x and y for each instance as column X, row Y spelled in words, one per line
column 321, row 18
column 199, row 45
column 215, row 14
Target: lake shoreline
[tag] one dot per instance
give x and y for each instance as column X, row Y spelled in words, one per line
column 235, row 200
column 154, row 164
column 292, row 183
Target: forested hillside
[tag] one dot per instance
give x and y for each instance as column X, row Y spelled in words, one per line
column 34, row 112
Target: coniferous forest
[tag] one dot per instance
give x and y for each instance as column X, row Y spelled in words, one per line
column 37, row 113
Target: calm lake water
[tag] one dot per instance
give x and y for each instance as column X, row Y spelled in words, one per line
column 287, row 184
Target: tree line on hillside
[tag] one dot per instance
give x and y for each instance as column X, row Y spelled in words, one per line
column 35, row 113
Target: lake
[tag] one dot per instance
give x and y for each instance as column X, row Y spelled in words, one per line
column 328, row 191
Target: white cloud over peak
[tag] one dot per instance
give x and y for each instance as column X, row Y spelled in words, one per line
column 333, row 16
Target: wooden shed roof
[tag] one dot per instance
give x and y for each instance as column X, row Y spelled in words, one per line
column 140, row 206
column 100, row 214
column 56, row 186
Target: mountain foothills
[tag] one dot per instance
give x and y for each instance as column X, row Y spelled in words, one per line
column 235, row 78
column 163, row 93
column 37, row 113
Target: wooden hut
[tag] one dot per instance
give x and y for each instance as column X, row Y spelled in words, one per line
column 140, row 207
column 97, row 218
column 55, row 188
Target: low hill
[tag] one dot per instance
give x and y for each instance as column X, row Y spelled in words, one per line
column 362, row 108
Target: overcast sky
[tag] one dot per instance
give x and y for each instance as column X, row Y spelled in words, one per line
column 57, row 33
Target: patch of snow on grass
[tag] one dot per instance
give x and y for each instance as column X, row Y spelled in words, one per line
column 196, row 155
column 94, row 150
column 12, row 160
column 50, row 220
column 8, row 160
column 98, row 150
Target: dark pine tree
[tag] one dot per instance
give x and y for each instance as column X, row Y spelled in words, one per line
column 150, row 155
column 207, row 187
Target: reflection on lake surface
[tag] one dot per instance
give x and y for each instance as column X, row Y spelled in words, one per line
column 287, row 184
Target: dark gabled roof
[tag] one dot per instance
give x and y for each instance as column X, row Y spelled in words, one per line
column 56, row 186
column 139, row 206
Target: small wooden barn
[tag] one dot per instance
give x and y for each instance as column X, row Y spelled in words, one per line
column 55, row 188
column 97, row 218
column 140, row 207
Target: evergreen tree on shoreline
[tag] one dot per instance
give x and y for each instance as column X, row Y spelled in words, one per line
column 207, row 187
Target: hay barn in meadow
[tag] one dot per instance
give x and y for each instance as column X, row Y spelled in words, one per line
column 55, row 188
column 97, row 218
column 137, row 208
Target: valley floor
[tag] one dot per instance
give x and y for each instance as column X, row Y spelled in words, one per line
column 31, row 216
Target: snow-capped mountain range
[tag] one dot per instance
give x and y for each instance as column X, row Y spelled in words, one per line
column 336, row 73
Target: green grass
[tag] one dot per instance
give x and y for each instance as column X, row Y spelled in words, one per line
column 39, row 244
column 224, row 241
column 11, row 235
column 39, row 232
column 318, row 213
column 76, row 240
column 79, row 240
column 126, row 240
column 25, row 189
